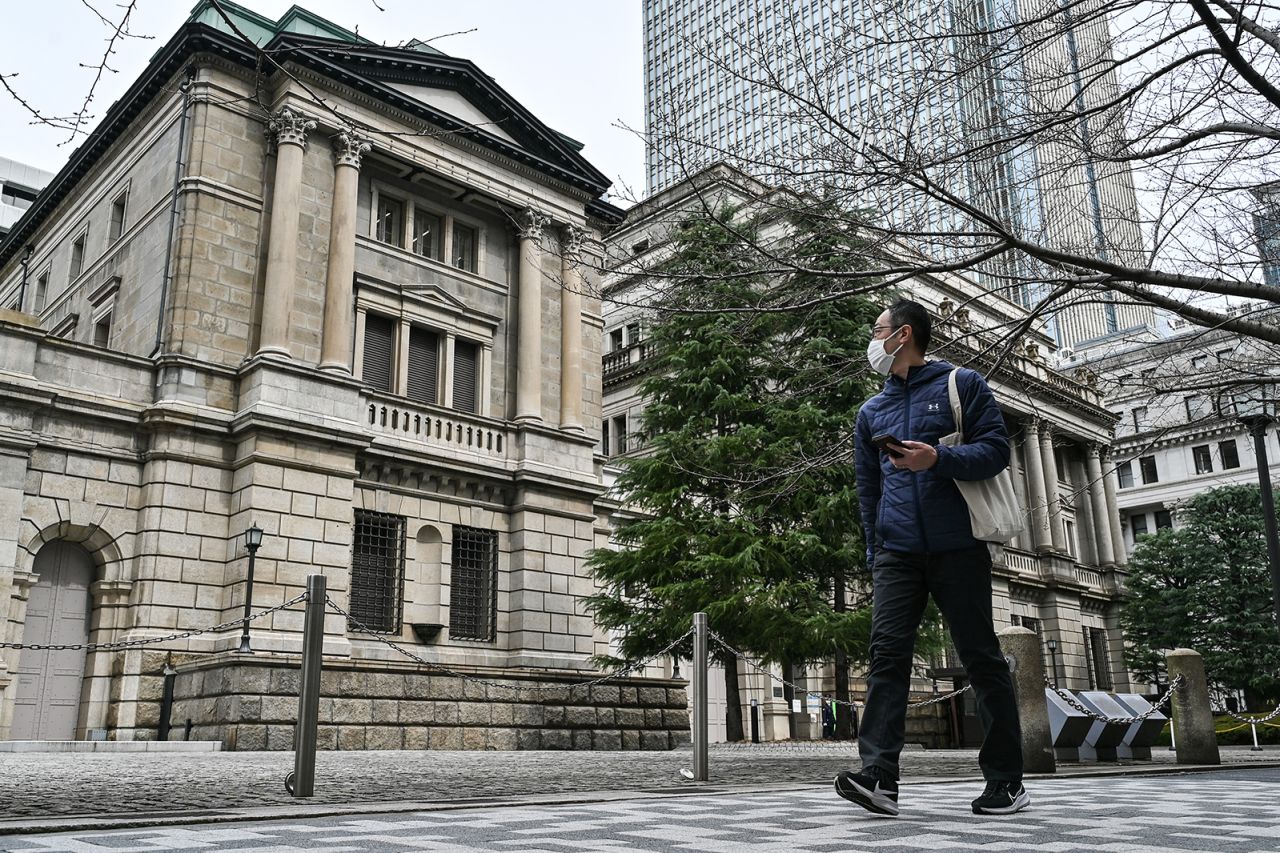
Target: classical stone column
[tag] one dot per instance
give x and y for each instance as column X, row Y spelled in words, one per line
column 1113, row 513
column 571, row 329
column 289, row 132
column 1102, row 520
column 529, row 327
column 1035, row 475
column 1049, row 461
column 335, row 351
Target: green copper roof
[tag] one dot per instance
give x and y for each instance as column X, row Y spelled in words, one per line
column 261, row 29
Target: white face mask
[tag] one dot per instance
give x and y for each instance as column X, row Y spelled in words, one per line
column 881, row 360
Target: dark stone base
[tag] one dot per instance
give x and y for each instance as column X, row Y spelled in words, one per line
column 252, row 704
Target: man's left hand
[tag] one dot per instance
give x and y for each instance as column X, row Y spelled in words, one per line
column 916, row 456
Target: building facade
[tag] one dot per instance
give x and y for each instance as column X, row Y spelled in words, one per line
column 19, row 186
column 345, row 301
column 722, row 79
column 1178, row 433
column 1063, row 577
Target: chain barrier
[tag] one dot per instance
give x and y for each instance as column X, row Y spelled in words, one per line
column 1124, row 721
column 1249, row 721
column 386, row 640
column 147, row 641
column 750, row 662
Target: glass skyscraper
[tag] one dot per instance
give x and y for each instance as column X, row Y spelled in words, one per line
column 792, row 91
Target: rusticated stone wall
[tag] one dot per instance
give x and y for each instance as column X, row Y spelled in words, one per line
column 252, row 704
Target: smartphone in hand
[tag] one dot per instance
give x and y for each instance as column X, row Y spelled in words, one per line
column 883, row 440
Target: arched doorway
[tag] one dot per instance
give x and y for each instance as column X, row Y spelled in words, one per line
column 47, row 686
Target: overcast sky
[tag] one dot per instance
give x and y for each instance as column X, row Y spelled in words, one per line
column 576, row 64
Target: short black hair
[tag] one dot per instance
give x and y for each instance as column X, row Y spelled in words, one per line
column 905, row 312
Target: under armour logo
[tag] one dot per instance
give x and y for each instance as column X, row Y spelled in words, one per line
column 935, row 407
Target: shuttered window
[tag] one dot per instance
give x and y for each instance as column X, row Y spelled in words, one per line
column 466, row 372
column 377, row 570
column 473, row 584
column 424, row 349
column 379, row 347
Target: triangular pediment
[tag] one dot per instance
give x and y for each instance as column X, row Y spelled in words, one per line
column 454, row 103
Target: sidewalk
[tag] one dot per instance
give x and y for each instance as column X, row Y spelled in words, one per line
column 48, row 792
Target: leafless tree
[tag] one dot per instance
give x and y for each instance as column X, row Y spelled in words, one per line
column 1061, row 153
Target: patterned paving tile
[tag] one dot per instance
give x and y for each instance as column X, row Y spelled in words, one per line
column 1231, row 811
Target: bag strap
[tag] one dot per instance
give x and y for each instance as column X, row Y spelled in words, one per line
column 957, row 411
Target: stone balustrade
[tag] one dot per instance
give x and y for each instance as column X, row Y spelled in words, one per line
column 444, row 429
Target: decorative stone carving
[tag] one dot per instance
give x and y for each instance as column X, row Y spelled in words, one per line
column 572, row 238
column 530, row 224
column 348, row 148
column 286, row 127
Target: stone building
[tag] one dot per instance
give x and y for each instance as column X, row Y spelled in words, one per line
column 1063, row 577
column 1179, row 432
column 299, row 281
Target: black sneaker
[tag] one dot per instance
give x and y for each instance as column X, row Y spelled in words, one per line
column 1002, row 798
column 873, row 789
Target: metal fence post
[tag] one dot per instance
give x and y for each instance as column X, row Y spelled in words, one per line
column 304, row 736
column 700, row 643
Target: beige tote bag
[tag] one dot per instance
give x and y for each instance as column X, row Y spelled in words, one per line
column 994, row 511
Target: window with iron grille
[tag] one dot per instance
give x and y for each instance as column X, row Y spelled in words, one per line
column 473, row 584
column 1095, row 642
column 377, row 570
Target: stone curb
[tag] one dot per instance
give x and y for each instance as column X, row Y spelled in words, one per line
column 88, row 823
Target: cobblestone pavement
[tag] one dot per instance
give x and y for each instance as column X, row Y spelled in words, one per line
column 34, row 785
column 1232, row 811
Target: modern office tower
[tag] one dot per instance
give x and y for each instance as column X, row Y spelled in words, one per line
column 19, row 186
column 790, row 90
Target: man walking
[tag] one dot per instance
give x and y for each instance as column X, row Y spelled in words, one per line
column 920, row 544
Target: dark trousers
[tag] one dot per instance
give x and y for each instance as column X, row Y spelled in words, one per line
column 960, row 583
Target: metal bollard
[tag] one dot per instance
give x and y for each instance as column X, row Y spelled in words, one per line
column 301, row 782
column 1191, row 712
column 1021, row 649
column 701, row 640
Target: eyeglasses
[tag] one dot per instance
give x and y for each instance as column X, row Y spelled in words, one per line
column 875, row 330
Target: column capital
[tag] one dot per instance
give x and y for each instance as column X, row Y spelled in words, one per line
column 286, row 127
column 572, row 238
column 530, row 224
column 1094, row 449
column 348, row 148
column 1031, row 424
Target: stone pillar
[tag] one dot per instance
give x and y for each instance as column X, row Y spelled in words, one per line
column 289, row 132
column 1103, row 522
column 1035, row 474
column 571, row 329
column 335, row 352
column 1021, row 648
column 1113, row 513
column 1197, row 742
column 529, row 327
column 1049, row 461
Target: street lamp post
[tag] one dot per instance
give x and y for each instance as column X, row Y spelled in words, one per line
column 1053, row 657
column 1252, row 411
column 252, row 542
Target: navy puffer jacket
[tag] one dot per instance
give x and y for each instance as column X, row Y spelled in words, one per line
column 923, row 512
